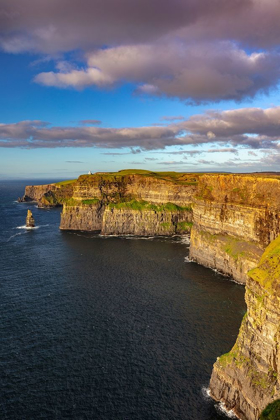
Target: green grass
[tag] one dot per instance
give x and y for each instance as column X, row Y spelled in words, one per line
column 72, row 202
column 184, row 225
column 69, row 181
column 91, row 201
column 180, row 178
column 272, row 411
column 144, row 205
column 166, row 225
column 267, row 273
column 233, row 248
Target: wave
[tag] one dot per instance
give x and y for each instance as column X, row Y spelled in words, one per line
column 31, row 228
column 134, row 237
column 222, row 409
column 206, row 393
column 187, row 259
column 185, row 239
column 27, row 228
column 16, row 234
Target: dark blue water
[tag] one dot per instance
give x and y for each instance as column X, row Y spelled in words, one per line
column 106, row 328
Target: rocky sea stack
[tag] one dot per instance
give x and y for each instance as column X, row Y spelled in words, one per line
column 30, row 222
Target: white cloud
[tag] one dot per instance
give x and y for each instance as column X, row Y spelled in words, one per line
column 203, row 72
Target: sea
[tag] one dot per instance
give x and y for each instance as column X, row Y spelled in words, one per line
column 106, row 328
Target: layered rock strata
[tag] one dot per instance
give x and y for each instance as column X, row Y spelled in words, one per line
column 248, row 377
column 231, row 255
column 49, row 195
column 36, row 192
column 111, row 220
column 122, row 203
column 130, row 204
column 82, row 217
column 235, row 217
column 120, row 187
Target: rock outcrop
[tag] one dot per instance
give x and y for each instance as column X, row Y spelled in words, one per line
column 248, row 377
column 235, row 217
column 30, row 222
column 36, row 192
column 48, row 195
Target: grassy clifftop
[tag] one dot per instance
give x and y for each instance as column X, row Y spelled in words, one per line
column 174, row 177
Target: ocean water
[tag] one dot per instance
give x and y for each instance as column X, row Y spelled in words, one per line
column 106, row 328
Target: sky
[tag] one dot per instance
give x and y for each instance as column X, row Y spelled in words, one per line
column 105, row 85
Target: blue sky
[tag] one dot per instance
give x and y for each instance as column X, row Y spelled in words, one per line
column 220, row 82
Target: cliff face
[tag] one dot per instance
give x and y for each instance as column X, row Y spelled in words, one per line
column 228, row 254
column 36, row 192
column 248, row 377
column 82, row 217
column 125, row 221
column 130, row 204
column 49, row 195
column 234, row 218
column 145, row 222
column 125, row 187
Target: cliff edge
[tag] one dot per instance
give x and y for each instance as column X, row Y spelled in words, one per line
column 247, row 378
column 234, row 218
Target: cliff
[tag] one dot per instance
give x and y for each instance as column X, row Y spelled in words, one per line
column 128, row 203
column 127, row 218
column 48, row 195
column 232, row 219
column 248, row 377
column 153, row 187
column 235, row 217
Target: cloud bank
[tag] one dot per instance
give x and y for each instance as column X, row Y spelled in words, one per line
column 253, row 128
column 203, row 72
column 65, row 25
column 197, row 50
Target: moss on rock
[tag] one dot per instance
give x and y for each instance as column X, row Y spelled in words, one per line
column 267, row 273
column 271, row 412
